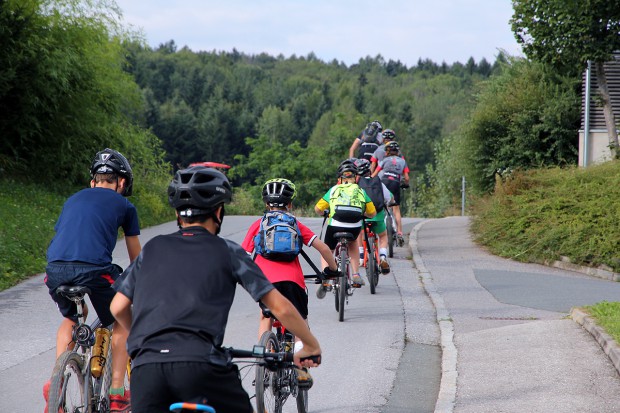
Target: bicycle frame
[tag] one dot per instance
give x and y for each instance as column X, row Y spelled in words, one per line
column 76, row 362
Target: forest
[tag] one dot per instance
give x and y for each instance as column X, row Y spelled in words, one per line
column 74, row 81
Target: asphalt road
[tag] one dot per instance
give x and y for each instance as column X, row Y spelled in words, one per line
column 452, row 329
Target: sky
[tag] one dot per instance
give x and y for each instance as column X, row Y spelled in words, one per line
column 345, row 30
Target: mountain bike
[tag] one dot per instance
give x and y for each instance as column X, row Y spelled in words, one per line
column 273, row 387
column 342, row 286
column 75, row 387
column 371, row 256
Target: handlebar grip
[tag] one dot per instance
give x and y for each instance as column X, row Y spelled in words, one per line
column 316, row 359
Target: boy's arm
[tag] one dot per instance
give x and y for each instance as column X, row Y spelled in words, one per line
column 321, row 206
column 354, row 146
column 121, row 310
column 133, row 247
column 326, row 253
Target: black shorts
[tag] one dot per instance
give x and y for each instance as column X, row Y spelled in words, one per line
column 295, row 294
column 331, row 230
column 98, row 278
column 155, row 386
column 394, row 187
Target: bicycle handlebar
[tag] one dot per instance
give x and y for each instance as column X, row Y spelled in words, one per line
column 271, row 359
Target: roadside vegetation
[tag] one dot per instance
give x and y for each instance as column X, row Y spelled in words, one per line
column 607, row 315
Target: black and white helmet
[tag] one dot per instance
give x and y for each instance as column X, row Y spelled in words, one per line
column 279, row 192
column 109, row 161
column 198, row 190
column 347, row 167
column 363, row 166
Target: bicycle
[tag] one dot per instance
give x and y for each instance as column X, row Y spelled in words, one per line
column 269, row 358
column 392, row 232
column 371, row 256
column 74, row 387
column 273, row 387
column 342, row 286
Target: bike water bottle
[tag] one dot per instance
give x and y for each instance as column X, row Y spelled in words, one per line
column 100, row 351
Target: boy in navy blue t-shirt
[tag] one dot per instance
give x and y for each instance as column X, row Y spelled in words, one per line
column 81, row 254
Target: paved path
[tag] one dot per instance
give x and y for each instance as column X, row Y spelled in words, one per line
column 508, row 343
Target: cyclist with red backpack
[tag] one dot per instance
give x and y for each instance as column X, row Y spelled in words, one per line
column 277, row 239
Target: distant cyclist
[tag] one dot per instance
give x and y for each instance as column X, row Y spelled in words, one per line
column 347, row 203
column 388, row 136
column 381, row 197
column 175, row 299
column 368, row 141
column 392, row 170
column 81, row 254
column 285, row 273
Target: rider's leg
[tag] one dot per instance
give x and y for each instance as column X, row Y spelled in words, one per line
column 120, row 359
column 64, row 336
column 360, row 243
column 396, row 212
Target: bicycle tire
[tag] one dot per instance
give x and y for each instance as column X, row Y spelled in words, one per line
column 371, row 266
column 342, row 292
column 390, row 235
column 69, row 391
column 302, row 401
column 265, row 384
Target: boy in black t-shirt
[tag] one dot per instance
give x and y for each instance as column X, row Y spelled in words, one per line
column 182, row 287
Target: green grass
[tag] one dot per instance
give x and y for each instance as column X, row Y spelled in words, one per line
column 607, row 315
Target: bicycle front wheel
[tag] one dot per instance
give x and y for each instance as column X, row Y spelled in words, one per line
column 266, row 388
column 302, row 401
column 69, row 392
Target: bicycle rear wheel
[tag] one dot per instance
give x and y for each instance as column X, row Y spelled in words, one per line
column 342, row 291
column 266, row 388
column 371, row 267
column 69, row 392
column 390, row 235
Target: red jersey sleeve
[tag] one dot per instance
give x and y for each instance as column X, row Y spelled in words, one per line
column 307, row 235
column 248, row 242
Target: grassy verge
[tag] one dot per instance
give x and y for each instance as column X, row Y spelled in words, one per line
column 547, row 214
column 607, row 315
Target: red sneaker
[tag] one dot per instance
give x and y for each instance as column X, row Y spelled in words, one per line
column 120, row 404
column 46, row 394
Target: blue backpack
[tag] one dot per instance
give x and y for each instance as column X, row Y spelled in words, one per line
column 278, row 238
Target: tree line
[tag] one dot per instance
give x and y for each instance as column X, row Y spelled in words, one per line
column 73, row 80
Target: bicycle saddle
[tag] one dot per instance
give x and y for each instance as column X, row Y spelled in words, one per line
column 73, row 291
column 346, row 235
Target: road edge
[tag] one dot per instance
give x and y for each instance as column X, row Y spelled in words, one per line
column 449, row 374
column 607, row 343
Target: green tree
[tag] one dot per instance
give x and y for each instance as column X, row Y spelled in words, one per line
column 568, row 33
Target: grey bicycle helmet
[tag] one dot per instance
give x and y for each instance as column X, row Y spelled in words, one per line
column 347, row 167
column 279, row 192
column 109, row 161
column 363, row 166
column 198, row 190
column 392, row 147
column 389, row 134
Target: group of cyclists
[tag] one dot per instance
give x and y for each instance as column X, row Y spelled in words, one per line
column 169, row 308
